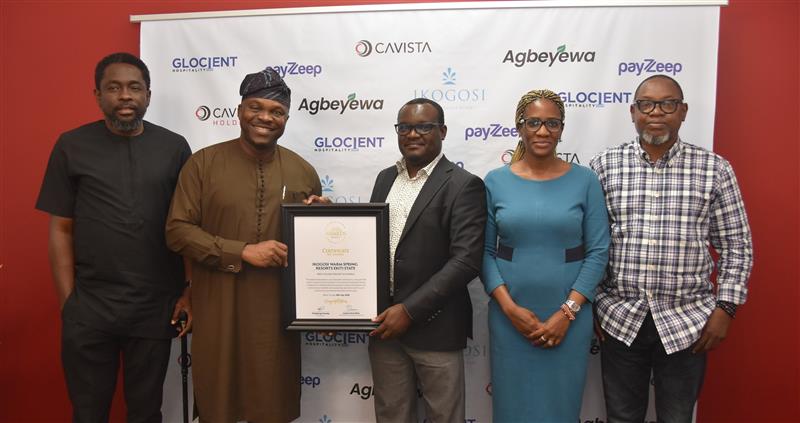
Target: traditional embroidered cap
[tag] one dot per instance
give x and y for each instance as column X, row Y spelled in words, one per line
column 266, row 84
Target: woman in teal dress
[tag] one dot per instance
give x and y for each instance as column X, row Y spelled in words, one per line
column 546, row 250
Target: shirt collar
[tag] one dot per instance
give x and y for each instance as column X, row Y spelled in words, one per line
column 401, row 166
column 669, row 157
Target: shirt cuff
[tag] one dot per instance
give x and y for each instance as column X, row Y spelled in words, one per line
column 231, row 260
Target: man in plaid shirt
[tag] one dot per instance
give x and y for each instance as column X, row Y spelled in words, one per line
column 667, row 201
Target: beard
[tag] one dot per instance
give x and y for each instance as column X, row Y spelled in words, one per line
column 650, row 139
column 126, row 125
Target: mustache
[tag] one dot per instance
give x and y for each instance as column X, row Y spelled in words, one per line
column 127, row 106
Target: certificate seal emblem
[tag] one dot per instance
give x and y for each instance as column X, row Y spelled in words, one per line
column 335, row 232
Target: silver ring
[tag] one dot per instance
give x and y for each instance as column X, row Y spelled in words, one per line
column 543, row 338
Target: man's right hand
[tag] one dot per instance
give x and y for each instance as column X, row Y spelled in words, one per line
column 266, row 254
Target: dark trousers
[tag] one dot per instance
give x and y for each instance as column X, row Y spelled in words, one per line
column 677, row 378
column 91, row 361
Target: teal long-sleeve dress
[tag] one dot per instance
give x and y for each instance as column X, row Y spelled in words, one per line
column 543, row 239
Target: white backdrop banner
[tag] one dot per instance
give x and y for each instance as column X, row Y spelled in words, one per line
column 351, row 71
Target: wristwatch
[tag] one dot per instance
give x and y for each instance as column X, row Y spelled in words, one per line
column 573, row 306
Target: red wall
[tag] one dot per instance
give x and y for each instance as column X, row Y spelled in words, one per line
column 49, row 49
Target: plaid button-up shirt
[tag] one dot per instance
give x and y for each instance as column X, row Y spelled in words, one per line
column 663, row 217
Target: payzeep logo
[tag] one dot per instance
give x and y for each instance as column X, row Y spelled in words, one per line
column 490, row 132
column 329, row 191
column 294, row 68
column 649, row 66
column 594, row 99
column 365, row 48
column 312, row 381
column 340, row 106
column 217, row 116
column 202, row 63
column 450, row 93
column 548, row 58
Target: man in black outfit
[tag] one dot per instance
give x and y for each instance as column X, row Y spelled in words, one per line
column 107, row 189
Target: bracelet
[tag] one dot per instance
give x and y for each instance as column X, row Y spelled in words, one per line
column 567, row 312
column 728, row 307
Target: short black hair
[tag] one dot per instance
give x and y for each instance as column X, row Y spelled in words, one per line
column 120, row 57
column 427, row 101
column 680, row 90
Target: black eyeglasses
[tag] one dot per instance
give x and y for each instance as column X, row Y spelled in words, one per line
column 667, row 106
column 533, row 124
column 419, row 128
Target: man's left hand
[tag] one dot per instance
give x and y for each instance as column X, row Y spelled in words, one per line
column 394, row 321
column 313, row 198
column 714, row 332
column 184, row 304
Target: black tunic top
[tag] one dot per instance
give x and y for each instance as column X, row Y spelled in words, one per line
column 117, row 190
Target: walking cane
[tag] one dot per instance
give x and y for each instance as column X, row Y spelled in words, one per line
column 185, row 360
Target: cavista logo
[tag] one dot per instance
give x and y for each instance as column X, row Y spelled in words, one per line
column 496, row 131
column 329, row 191
column 365, row 47
column 312, row 381
column 350, row 103
column 338, row 339
column 363, row 391
column 649, row 66
column 202, row 63
column 347, row 143
column 450, row 93
column 325, row 419
column 568, row 157
column 294, row 68
column 593, row 99
column 217, row 116
column 549, row 58
column 506, row 156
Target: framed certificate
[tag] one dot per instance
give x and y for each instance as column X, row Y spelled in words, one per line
column 338, row 274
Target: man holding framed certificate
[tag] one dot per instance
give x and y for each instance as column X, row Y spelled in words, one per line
column 437, row 213
column 225, row 217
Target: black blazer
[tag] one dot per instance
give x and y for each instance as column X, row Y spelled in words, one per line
column 439, row 253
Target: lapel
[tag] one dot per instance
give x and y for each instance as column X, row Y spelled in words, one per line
column 384, row 184
column 437, row 179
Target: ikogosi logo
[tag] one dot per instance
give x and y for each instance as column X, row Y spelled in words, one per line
column 493, row 130
column 364, row 47
column 315, row 106
column 649, row 66
column 203, row 63
column 561, row 55
column 328, row 191
column 450, row 93
column 293, row 68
